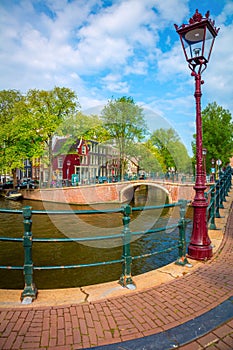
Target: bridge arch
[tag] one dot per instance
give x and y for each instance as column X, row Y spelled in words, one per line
column 123, row 197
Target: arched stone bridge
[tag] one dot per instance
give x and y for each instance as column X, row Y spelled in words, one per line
column 120, row 192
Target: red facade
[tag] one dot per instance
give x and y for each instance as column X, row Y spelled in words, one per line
column 66, row 161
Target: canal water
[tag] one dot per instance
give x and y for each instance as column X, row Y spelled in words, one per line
column 72, row 253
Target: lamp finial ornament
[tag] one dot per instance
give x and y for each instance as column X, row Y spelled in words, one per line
column 197, row 17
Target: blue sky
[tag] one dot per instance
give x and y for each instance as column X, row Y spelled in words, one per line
column 104, row 49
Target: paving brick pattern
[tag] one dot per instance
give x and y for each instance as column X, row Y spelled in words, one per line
column 219, row 339
column 131, row 316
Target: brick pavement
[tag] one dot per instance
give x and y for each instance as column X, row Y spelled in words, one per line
column 131, row 316
column 220, row 338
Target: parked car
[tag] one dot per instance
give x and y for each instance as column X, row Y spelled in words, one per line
column 6, row 185
column 102, row 179
column 28, row 183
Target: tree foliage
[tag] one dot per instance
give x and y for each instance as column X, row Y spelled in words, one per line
column 171, row 150
column 79, row 125
column 15, row 141
column 124, row 122
column 28, row 124
column 217, row 132
column 50, row 111
column 144, row 156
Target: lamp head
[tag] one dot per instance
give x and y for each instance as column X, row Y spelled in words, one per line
column 197, row 39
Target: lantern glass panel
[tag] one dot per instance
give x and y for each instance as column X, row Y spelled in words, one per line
column 193, row 42
column 198, row 42
column 208, row 43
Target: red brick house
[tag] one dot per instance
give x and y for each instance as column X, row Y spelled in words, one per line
column 84, row 161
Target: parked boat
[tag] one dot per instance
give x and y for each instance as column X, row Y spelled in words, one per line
column 14, row 195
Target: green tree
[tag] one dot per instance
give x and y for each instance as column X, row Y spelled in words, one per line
column 124, row 122
column 158, row 163
column 15, row 141
column 145, row 156
column 171, row 149
column 181, row 158
column 79, row 125
column 217, row 129
column 50, row 110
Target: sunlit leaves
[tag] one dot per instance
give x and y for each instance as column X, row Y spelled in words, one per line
column 171, row 150
column 217, row 130
column 124, row 121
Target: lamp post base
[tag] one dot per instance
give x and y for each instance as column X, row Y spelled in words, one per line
column 200, row 252
column 200, row 247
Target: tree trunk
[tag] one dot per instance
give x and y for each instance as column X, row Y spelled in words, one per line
column 14, row 178
column 50, row 165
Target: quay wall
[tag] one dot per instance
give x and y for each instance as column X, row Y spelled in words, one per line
column 75, row 195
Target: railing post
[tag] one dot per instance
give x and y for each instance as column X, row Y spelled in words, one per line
column 223, row 181
column 207, row 212
column 217, row 200
column 228, row 175
column 220, row 193
column 182, row 260
column 126, row 279
column 212, row 225
column 227, row 181
column 30, row 290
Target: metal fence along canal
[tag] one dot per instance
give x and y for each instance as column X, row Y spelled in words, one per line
column 122, row 241
column 126, row 236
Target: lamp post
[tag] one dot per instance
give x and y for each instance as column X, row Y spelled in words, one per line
column 197, row 39
column 213, row 169
column 204, row 153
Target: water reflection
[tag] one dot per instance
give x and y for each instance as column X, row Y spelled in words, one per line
column 75, row 253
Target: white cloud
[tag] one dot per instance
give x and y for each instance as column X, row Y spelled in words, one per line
column 226, row 13
column 111, row 36
column 103, row 38
column 220, row 69
column 174, row 10
column 171, row 63
column 112, row 82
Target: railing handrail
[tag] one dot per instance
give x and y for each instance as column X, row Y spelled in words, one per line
column 215, row 196
column 87, row 211
column 126, row 259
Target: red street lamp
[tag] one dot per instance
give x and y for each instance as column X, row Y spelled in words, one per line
column 204, row 153
column 197, row 39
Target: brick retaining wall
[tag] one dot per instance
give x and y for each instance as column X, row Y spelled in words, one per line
column 105, row 193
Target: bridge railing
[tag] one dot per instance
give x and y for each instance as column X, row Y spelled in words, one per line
column 126, row 280
column 165, row 177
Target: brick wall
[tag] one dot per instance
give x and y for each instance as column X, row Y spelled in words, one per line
column 103, row 193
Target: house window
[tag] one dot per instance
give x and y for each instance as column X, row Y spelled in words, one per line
column 84, row 160
column 83, row 149
column 59, row 162
column 46, row 175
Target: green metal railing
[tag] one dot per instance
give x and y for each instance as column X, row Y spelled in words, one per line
column 216, row 196
column 126, row 235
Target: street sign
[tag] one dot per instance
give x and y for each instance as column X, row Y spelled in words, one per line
column 74, row 179
column 218, row 162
